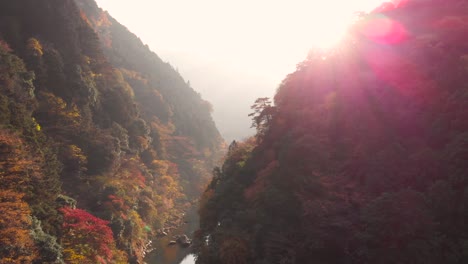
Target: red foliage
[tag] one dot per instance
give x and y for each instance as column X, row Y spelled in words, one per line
column 81, row 227
column 117, row 204
column 135, row 176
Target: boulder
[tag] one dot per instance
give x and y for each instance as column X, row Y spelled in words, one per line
column 184, row 241
column 162, row 232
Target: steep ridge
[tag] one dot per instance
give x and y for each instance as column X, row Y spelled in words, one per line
column 127, row 52
column 161, row 93
column 100, row 146
column 362, row 157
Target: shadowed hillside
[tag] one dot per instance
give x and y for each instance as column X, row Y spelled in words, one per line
column 101, row 143
column 362, row 156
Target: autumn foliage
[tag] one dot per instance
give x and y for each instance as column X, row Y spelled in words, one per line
column 86, row 238
column 16, row 244
column 90, row 116
column 362, row 158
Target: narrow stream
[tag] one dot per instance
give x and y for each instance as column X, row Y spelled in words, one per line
column 175, row 254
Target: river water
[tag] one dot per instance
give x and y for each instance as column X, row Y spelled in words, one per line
column 189, row 259
column 175, row 254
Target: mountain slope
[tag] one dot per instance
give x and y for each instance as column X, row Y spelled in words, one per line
column 362, row 157
column 98, row 153
column 160, row 92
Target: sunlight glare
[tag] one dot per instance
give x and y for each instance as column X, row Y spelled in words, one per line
column 243, row 35
column 324, row 23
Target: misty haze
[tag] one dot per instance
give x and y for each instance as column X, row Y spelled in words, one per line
column 233, row 132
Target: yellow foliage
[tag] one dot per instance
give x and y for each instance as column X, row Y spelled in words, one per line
column 164, row 129
column 121, row 80
column 166, row 181
column 160, row 167
column 120, row 257
column 138, row 235
column 36, row 125
column 60, row 114
column 133, row 75
column 77, row 153
column 72, row 257
column 34, row 47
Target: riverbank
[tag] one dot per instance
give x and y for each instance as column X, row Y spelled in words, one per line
column 164, row 253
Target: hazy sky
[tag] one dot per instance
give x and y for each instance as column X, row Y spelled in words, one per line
column 235, row 51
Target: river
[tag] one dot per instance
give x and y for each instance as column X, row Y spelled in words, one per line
column 175, row 254
column 189, row 259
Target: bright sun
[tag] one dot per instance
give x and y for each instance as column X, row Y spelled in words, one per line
column 266, row 37
column 321, row 24
column 330, row 33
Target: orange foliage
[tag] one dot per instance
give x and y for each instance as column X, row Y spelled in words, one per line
column 160, row 167
column 34, row 48
column 16, row 245
column 16, row 168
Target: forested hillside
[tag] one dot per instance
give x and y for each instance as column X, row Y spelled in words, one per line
column 180, row 116
column 362, row 158
column 101, row 143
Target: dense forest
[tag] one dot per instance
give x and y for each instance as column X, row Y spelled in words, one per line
column 362, row 156
column 101, row 142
